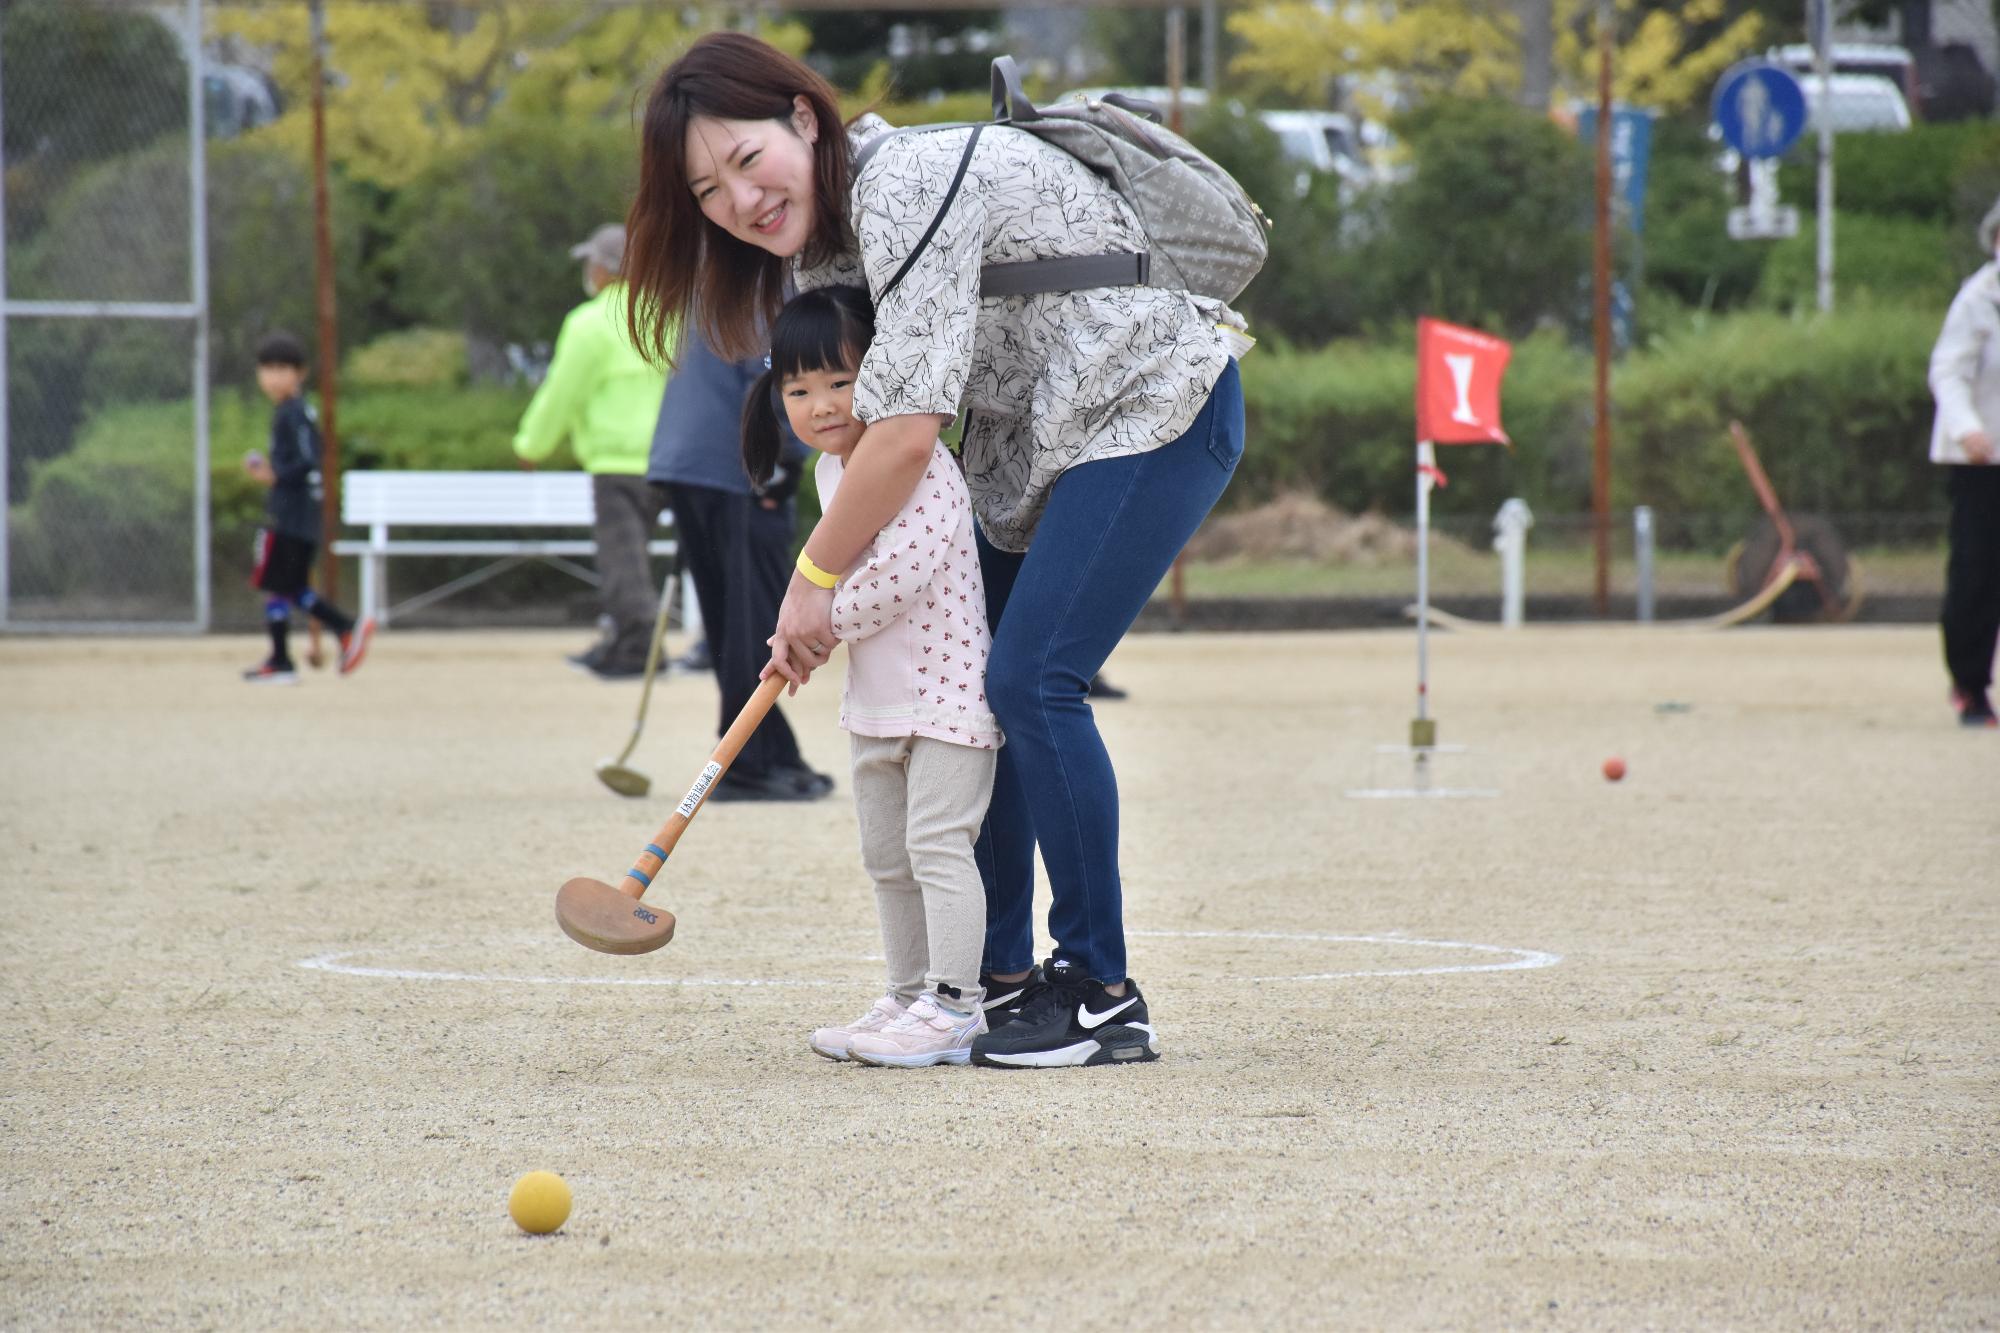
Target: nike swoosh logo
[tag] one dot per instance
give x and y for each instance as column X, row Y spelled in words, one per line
column 1091, row 1020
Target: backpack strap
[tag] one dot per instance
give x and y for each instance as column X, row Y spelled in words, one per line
column 957, row 180
column 1010, row 104
column 1137, row 106
column 1032, row 276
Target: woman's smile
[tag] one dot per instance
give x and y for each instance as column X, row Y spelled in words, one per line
column 754, row 178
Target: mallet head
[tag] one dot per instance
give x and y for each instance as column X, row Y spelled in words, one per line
column 625, row 781
column 599, row 917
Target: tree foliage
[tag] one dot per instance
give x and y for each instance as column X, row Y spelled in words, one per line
column 260, row 277
column 482, row 236
column 1490, row 228
column 1667, row 56
column 83, row 84
column 409, row 83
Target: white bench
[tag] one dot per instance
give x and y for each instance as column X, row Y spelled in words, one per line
column 380, row 501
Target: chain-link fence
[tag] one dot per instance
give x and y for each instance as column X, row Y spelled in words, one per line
column 158, row 219
column 103, row 442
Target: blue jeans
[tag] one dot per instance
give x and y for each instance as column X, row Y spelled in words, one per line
column 1109, row 535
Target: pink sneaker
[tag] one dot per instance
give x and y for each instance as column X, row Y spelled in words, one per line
column 354, row 646
column 927, row 1034
column 833, row 1042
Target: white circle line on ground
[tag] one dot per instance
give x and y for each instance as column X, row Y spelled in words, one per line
column 1515, row 960
column 333, row 962
column 1522, row 959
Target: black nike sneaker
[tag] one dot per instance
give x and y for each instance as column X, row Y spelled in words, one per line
column 1071, row 1020
column 1004, row 999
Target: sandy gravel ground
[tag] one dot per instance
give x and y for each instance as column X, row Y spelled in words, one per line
column 1732, row 1061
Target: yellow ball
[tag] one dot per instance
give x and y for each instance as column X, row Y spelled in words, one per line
column 539, row 1202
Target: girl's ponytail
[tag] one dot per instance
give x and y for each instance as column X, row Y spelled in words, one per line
column 760, row 428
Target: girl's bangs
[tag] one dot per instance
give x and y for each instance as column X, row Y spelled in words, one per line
column 818, row 331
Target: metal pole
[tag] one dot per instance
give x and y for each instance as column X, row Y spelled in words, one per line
column 1600, row 478
column 1642, row 557
column 1512, row 524
column 329, row 345
column 198, row 277
column 1211, row 37
column 1423, row 731
column 6, row 574
column 1819, row 13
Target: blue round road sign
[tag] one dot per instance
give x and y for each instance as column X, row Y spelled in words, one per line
column 1760, row 108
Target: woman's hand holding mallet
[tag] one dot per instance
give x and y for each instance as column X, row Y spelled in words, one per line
column 804, row 637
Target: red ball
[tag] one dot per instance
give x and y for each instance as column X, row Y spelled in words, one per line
column 1614, row 768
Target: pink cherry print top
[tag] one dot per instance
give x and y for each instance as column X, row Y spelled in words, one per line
column 912, row 613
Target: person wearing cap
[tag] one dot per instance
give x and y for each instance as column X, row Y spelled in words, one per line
column 1965, row 380
column 603, row 397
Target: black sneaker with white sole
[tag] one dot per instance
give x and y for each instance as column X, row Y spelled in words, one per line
column 1004, row 998
column 1070, row 1020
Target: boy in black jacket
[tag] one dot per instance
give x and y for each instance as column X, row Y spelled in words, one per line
column 290, row 535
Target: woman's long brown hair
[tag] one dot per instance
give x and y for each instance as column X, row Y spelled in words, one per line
column 680, row 268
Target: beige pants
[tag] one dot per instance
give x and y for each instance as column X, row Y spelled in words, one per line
column 920, row 803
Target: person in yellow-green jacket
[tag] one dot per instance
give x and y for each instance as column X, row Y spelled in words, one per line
column 603, row 397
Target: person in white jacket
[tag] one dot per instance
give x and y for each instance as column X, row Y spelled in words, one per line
column 1965, row 380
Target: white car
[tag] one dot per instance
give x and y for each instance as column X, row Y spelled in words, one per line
column 1325, row 141
column 1861, row 103
column 1194, row 98
column 1321, row 142
column 1893, row 63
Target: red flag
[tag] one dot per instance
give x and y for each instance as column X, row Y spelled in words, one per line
column 1458, row 384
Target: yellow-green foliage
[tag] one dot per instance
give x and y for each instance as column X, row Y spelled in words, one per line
column 1439, row 46
column 408, row 81
column 1659, row 63
column 1472, row 48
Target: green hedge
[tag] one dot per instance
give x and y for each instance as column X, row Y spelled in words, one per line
column 1839, row 409
column 1340, row 421
column 1905, row 260
column 113, row 512
column 1914, row 174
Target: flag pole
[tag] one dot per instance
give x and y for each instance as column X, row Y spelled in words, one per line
column 1423, row 730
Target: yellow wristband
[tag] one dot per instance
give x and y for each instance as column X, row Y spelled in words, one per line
column 816, row 576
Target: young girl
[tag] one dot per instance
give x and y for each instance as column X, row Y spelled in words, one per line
column 912, row 612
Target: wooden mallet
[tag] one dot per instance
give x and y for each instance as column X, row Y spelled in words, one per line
column 610, row 920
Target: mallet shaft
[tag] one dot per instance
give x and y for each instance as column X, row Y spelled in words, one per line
column 640, row 877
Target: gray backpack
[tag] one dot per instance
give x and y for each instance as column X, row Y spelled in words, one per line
column 1205, row 234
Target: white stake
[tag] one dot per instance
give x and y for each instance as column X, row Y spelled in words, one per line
column 1423, row 731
